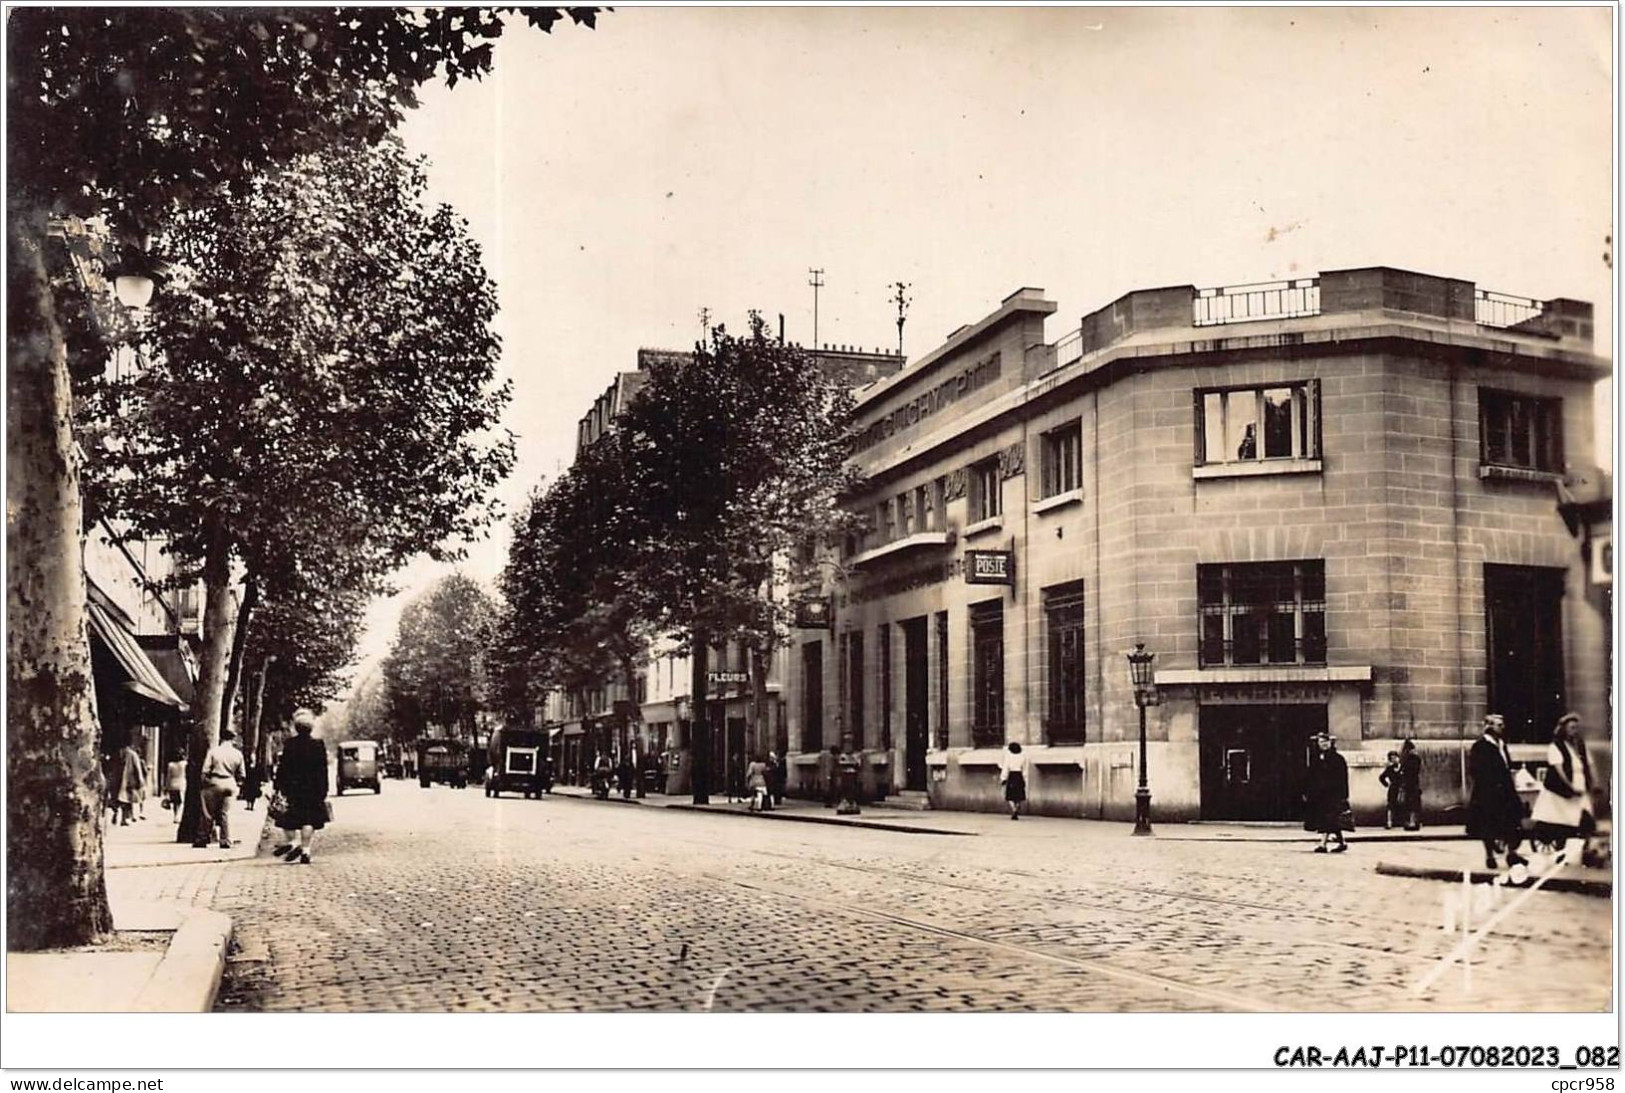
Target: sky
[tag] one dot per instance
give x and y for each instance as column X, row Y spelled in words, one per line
column 622, row 178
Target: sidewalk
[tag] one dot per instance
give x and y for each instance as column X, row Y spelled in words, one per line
column 169, row 949
column 887, row 817
column 1447, row 861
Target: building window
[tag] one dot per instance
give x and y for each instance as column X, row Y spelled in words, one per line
column 883, row 657
column 1262, row 613
column 888, row 522
column 986, row 491
column 1523, row 635
column 925, row 517
column 1062, row 459
column 1247, row 424
column 1063, row 618
column 987, row 673
column 854, row 686
column 939, row 503
column 942, row 680
column 905, row 515
column 1520, row 431
column 812, row 696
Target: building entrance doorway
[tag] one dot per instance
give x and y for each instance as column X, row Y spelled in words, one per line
column 1255, row 760
column 916, row 692
column 1523, row 609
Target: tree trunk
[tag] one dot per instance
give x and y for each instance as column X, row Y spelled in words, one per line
column 253, row 750
column 56, row 893
column 699, row 732
column 759, row 702
column 634, row 721
column 239, row 643
column 211, row 677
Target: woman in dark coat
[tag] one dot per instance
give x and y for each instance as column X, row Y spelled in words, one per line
column 1494, row 809
column 1327, row 798
column 301, row 777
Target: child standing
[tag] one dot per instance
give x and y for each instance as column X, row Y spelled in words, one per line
column 1391, row 778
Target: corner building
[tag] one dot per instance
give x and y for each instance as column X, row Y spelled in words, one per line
column 1330, row 503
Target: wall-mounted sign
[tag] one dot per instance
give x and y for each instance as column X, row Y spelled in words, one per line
column 990, row 567
column 727, row 677
column 1602, row 559
column 813, row 613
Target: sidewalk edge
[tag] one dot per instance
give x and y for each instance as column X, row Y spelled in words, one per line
column 187, row 980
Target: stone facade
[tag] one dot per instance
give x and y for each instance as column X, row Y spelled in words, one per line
column 1361, row 497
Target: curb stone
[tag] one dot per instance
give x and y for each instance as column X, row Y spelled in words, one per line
column 873, row 825
column 1585, row 886
column 187, row 979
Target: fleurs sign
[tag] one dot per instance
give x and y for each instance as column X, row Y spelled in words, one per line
column 990, row 567
column 727, row 677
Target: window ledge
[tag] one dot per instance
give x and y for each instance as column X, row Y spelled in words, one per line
column 1059, row 501
column 1256, row 468
column 1264, row 673
column 1505, row 473
column 982, row 527
column 898, row 546
column 980, row 757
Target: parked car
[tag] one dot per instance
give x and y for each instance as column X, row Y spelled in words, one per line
column 358, row 765
column 443, row 761
column 519, row 763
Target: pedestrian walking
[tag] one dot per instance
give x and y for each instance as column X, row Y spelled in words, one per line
column 142, row 786
column 1410, row 780
column 175, row 783
column 1327, row 798
column 301, row 778
column 124, row 774
column 624, row 773
column 1013, row 777
column 1564, row 811
column 222, row 773
column 778, row 776
column 1494, row 809
column 757, row 785
column 1391, row 778
column 829, row 771
column 602, row 772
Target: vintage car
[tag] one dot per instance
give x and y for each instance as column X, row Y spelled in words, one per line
column 443, row 761
column 358, row 766
column 519, row 763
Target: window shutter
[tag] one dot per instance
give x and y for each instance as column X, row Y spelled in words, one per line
column 1200, row 455
column 1312, row 426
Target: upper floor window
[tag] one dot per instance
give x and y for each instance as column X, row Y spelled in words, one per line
column 986, row 491
column 1246, row 424
column 1262, row 613
column 1062, row 459
column 1520, row 430
column 905, row 514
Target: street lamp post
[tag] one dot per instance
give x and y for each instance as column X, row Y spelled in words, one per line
column 1145, row 694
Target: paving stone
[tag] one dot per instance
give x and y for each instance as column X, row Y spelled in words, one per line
column 567, row 905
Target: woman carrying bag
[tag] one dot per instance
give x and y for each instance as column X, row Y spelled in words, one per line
column 301, row 782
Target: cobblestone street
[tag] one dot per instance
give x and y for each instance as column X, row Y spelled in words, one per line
column 445, row 900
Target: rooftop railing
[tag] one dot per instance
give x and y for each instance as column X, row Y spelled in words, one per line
column 1254, row 303
column 1502, row 310
column 1069, row 349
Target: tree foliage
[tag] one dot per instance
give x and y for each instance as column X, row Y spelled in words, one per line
column 736, row 457
column 129, row 114
column 434, row 676
column 321, row 383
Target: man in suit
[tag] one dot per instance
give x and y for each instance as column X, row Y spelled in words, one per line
column 1494, row 809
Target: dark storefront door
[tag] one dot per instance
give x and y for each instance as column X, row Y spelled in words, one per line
column 728, row 758
column 1523, row 609
column 916, row 692
column 1254, row 760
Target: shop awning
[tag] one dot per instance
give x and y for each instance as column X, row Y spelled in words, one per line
column 141, row 676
